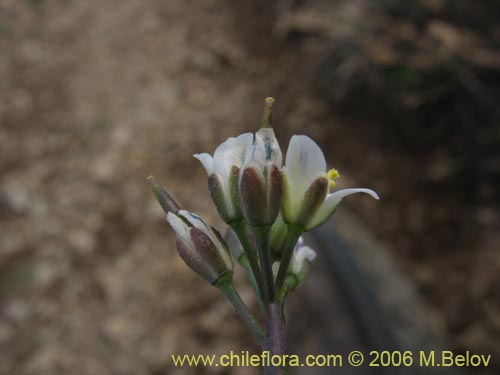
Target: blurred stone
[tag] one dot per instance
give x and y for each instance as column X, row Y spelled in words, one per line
column 82, row 240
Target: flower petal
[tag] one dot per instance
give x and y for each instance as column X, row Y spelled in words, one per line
column 179, row 226
column 233, row 151
column 304, row 162
column 198, row 223
column 266, row 148
column 300, row 242
column 221, row 196
column 234, row 244
column 207, row 161
column 194, row 220
column 331, row 203
column 300, row 256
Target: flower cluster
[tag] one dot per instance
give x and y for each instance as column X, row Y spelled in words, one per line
column 267, row 205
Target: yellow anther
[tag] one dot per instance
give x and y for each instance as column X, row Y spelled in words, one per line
column 332, row 175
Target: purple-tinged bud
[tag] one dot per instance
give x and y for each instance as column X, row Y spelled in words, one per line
column 260, row 194
column 223, row 171
column 310, row 202
column 197, row 263
column 201, row 247
column 208, row 251
column 162, row 196
column 226, row 196
column 253, row 195
column 261, row 182
column 314, row 197
column 274, row 192
column 220, row 197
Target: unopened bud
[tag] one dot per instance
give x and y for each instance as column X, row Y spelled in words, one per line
column 162, row 196
column 260, row 195
column 253, row 195
column 200, row 246
column 226, row 198
column 278, row 236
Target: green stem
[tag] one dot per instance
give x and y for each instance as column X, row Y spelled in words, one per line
column 292, row 235
column 232, row 295
column 240, row 229
column 243, row 261
column 262, row 235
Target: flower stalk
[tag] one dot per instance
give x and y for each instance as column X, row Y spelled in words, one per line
column 227, row 288
column 262, row 236
column 292, row 236
column 241, row 230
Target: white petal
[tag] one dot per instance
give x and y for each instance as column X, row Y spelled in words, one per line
column 299, row 257
column 232, row 152
column 300, row 242
column 179, row 226
column 207, row 161
column 304, row 162
column 198, row 222
column 234, row 244
column 305, row 252
column 266, row 148
column 331, row 202
column 193, row 219
column 304, row 159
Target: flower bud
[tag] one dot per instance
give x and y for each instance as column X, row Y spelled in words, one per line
column 162, row 196
column 223, row 174
column 200, row 246
column 253, row 194
column 261, row 182
column 226, row 196
column 278, row 235
column 260, row 194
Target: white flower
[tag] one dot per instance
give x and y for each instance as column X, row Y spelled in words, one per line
column 200, row 246
column 298, row 269
column 306, row 201
column 245, row 177
column 301, row 257
column 261, row 182
column 223, row 171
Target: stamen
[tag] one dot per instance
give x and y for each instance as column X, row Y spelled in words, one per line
column 332, row 175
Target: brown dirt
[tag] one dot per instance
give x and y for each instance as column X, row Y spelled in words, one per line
column 97, row 95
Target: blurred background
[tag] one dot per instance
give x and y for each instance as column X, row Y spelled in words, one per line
column 97, row 95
